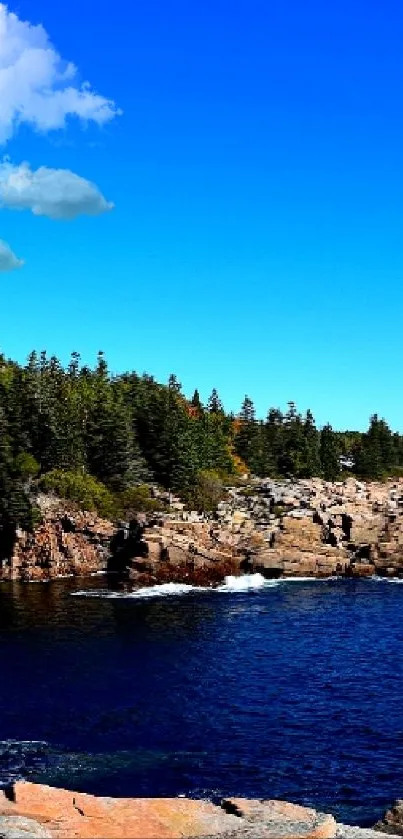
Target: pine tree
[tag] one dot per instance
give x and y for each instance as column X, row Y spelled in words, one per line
column 247, row 438
column 291, row 459
column 310, row 464
column 113, row 455
column 329, row 453
column 214, row 404
column 15, row 506
column 375, row 455
column 273, row 441
column 197, row 404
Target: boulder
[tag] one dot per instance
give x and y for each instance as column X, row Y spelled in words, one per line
column 281, row 819
column 392, row 822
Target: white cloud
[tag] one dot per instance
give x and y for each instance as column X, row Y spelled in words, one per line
column 55, row 193
column 37, row 86
column 8, row 260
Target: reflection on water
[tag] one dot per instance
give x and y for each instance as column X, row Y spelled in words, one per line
column 290, row 691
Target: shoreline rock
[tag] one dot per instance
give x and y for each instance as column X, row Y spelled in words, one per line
column 276, row 528
column 392, row 822
column 38, row 810
column 66, row 543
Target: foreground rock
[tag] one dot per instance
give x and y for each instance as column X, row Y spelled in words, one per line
column 16, row 827
column 345, row 831
column 34, row 810
column 50, row 812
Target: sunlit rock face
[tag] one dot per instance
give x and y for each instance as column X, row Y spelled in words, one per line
column 47, row 812
column 276, row 528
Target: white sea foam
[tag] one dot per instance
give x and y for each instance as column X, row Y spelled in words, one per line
column 305, row 579
column 246, row 582
column 96, row 593
column 163, row 590
column 396, row 580
column 166, row 589
column 231, row 585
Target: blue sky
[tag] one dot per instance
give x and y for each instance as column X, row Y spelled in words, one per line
column 256, row 171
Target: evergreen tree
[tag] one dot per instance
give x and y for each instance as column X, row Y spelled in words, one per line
column 249, row 438
column 196, row 404
column 310, row 463
column 15, row 506
column 375, row 455
column 329, row 452
column 273, row 441
column 214, row 404
column 291, row 459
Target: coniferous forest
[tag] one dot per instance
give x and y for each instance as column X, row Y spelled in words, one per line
column 103, row 440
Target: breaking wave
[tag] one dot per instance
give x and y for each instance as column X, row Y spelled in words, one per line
column 247, row 582
column 231, row 585
column 305, row 579
column 377, row 579
column 163, row 590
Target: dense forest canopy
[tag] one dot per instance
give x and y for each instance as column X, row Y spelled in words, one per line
column 101, row 439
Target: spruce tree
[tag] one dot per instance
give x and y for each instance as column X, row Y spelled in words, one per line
column 214, row 404
column 310, row 463
column 329, row 453
column 248, row 439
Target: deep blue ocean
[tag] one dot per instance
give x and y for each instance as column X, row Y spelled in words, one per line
column 293, row 690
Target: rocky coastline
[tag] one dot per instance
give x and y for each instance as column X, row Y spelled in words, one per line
column 36, row 810
column 301, row 528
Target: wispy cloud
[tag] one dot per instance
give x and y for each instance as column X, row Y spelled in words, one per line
column 8, row 260
column 37, row 86
column 55, row 193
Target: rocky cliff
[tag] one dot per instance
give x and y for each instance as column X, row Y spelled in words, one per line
column 67, row 542
column 276, row 528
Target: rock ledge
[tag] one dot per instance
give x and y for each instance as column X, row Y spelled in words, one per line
column 35, row 810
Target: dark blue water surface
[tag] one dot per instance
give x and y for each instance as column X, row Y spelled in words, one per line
column 294, row 691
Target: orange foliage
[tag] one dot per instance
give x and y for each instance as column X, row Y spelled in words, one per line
column 239, row 465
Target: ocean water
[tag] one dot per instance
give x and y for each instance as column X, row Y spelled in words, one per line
column 287, row 689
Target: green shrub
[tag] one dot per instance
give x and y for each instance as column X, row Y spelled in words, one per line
column 25, row 466
column 81, row 488
column 206, row 491
column 396, row 472
column 137, row 499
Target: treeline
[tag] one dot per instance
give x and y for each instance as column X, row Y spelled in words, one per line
column 98, row 438
column 289, row 444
